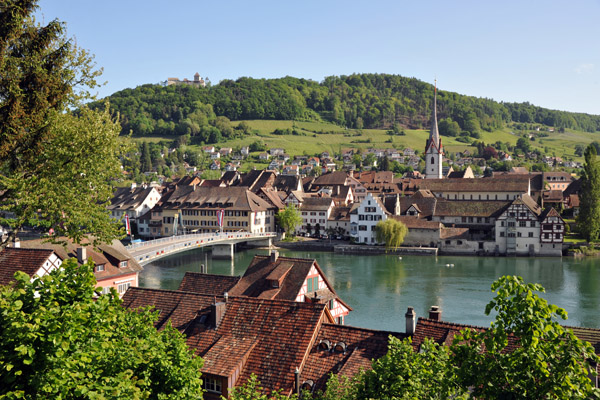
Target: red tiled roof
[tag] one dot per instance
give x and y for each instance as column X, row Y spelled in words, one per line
column 282, row 331
column 516, row 184
column 109, row 255
column 20, row 259
column 362, row 346
column 417, row 223
column 209, row 284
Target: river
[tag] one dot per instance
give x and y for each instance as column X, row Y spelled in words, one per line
column 380, row 288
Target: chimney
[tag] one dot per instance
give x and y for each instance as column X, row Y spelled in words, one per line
column 274, row 256
column 410, row 321
column 81, row 255
column 217, row 311
column 435, row 313
column 16, row 243
column 226, row 296
column 297, row 380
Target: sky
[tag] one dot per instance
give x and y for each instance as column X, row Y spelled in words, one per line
column 544, row 52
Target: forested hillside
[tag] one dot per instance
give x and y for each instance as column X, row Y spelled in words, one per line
column 356, row 101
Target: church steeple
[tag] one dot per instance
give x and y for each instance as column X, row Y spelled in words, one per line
column 434, row 136
column 433, row 149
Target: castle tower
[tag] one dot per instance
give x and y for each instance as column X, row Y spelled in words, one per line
column 434, row 152
column 197, row 77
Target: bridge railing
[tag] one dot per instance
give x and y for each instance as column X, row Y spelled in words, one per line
column 199, row 236
column 147, row 251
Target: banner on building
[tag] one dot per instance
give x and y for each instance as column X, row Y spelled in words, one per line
column 220, row 215
column 127, row 225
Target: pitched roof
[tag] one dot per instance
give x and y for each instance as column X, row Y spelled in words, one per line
column 423, row 199
column 128, row 198
column 272, row 196
column 316, row 203
column 417, row 223
column 480, row 208
column 109, row 255
column 239, row 198
column 362, row 346
column 287, row 183
column 443, row 332
column 503, row 185
column 21, row 259
column 268, row 338
column 331, row 178
column 207, row 283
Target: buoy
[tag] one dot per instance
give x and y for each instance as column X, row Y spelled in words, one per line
column 447, row 265
column 399, row 258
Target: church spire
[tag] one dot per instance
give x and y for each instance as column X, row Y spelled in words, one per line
column 434, row 136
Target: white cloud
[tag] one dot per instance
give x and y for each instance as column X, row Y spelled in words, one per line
column 585, row 68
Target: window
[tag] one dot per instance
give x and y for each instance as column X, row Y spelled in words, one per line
column 362, row 227
column 518, row 234
column 522, row 224
column 532, row 224
column 122, row 288
column 99, row 267
column 511, row 224
column 312, row 284
column 123, row 264
column 501, row 234
column 105, row 290
column 212, row 385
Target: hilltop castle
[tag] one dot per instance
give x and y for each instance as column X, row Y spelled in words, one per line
column 198, row 81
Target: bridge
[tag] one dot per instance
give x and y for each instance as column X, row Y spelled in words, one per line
column 222, row 244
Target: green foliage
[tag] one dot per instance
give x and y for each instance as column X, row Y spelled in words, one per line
column 588, row 220
column 252, row 390
column 289, row 218
column 526, row 353
column 405, row 374
column 56, row 165
column 359, row 101
column 60, row 340
column 391, row 232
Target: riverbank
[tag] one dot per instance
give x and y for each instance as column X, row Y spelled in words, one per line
column 344, row 248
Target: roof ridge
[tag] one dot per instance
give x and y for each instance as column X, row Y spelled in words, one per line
column 357, row 328
column 452, row 323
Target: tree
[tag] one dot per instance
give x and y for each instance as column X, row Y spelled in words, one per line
column 253, row 390
column 523, row 144
column 526, row 353
column 61, row 339
column 146, row 161
column 391, row 232
column 405, row 374
column 289, row 218
column 588, row 220
column 57, row 164
column 579, row 149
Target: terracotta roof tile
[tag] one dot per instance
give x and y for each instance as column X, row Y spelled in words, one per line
column 362, row 346
column 21, row 259
column 282, row 332
column 207, row 283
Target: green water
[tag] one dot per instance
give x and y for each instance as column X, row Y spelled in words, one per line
column 380, row 288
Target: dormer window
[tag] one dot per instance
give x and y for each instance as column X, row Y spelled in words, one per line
column 123, row 264
column 99, row 267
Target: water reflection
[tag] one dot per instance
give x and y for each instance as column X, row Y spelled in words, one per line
column 380, row 288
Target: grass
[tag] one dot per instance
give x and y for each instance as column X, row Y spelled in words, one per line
column 312, row 141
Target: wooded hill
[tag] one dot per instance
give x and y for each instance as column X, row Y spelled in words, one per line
column 356, row 101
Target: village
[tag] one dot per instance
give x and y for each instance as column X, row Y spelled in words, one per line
column 282, row 320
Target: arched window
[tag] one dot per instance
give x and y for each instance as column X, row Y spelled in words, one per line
column 432, row 160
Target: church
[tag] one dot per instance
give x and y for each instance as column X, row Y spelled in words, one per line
column 434, row 151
